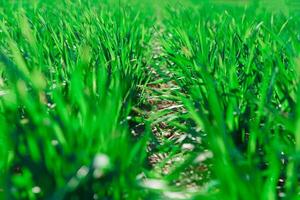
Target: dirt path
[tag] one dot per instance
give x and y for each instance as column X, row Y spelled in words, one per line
column 165, row 109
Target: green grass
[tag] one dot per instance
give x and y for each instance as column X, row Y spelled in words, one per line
column 71, row 75
column 75, row 83
column 239, row 85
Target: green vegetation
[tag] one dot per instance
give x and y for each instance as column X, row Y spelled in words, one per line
column 152, row 100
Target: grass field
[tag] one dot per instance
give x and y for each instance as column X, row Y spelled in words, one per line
column 115, row 99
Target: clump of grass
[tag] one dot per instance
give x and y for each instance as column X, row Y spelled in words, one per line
column 239, row 82
column 69, row 77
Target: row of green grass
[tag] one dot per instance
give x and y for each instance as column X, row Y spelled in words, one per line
column 70, row 74
column 238, row 73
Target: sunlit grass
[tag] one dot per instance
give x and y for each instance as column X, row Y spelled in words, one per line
column 74, row 85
